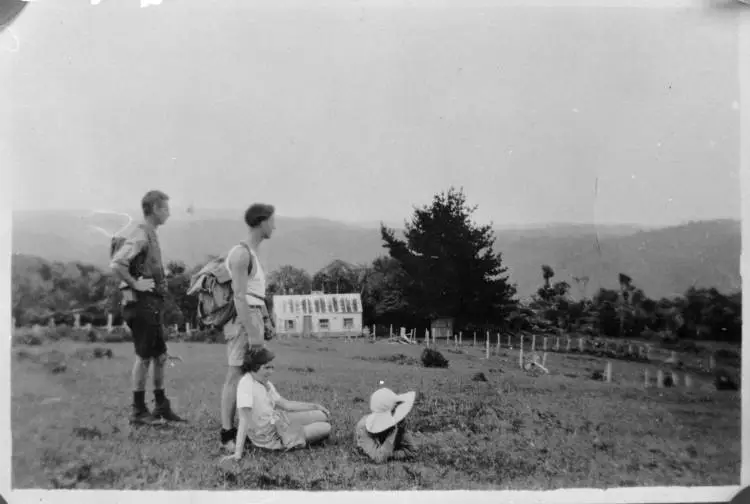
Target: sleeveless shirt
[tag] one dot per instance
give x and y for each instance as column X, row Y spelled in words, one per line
column 256, row 285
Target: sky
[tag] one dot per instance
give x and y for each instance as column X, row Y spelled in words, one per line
column 356, row 112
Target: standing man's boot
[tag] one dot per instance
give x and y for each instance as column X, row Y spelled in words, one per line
column 139, row 414
column 163, row 409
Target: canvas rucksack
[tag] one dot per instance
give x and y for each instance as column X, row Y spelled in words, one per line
column 213, row 286
column 116, row 244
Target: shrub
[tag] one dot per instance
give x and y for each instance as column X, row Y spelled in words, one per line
column 649, row 334
column 28, row 337
column 399, row 358
column 723, row 380
column 118, row 335
column 479, row 377
column 433, row 358
column 688, row 346
column 202, row 336
column 728, row 356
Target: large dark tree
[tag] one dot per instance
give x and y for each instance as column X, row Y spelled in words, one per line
column 450, row 266
column 382, row 297
column 289, row 280
column 337, row 277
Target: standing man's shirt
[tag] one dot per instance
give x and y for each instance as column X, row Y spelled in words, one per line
column 142, row 240
column 256, row 284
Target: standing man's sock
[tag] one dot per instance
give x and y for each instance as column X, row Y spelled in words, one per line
column 139, row 399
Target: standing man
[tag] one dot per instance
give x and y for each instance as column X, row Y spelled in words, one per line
column 248, row 327
column 138, row 265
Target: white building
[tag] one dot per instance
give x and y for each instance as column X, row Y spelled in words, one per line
column 318, row 314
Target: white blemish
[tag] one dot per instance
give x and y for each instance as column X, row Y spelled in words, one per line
column 381, row 382
column 712, row 143
column 146, row 3
column 575, row 110
column 632, row 176
column 96, row 2
column 17, row 43
column 669, row 200
column 735, row 105
column 658, row 144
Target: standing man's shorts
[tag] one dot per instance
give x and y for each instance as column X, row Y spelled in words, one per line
column 237, row 338
column 144, row 317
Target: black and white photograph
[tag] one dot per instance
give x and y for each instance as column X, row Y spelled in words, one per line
column 271, row 246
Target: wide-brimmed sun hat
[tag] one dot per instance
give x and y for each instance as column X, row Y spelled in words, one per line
column 388, row 409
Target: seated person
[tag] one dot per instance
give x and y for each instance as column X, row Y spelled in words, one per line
column 268, row 420
column 383, row 435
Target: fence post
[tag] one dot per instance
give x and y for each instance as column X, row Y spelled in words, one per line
column 688, row 381
column 711, row 362
column 580, row 344
column 76, row 321
column 533, row 342
column 460, row 338
column 544, row 344
column 475, row 339
column 609, row 371
column 498, row 342
column 645, row 378
column 544, row 359
column 660, row 378
column 509, row 342
column 557, row 344
column 487, row 348
column 109, row 322
column 567, row 345
column 520, row 357
column 675, row 378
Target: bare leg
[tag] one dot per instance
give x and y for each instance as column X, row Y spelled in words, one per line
column 140, row 374
column 229, row 396
column 316, row 432
column 306, row 417
column 158, row 365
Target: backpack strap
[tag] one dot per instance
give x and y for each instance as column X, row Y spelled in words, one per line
column 247, row 247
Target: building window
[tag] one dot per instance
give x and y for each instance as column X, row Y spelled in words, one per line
column 348, row 323
column 323, row 324
column 289, row 325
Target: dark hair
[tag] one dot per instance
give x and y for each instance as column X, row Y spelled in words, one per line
column 151, row 200
column 258, row 213
column 255, row 357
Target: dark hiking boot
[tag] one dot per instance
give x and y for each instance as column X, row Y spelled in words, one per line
column 141, row 416
column 163, row 410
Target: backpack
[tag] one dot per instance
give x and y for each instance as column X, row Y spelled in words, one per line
column 213, row 286
column 116, row 244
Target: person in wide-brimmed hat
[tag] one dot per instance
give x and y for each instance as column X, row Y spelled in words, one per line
column 383, row 434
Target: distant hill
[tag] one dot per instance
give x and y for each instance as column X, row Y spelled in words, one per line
column 663, row 261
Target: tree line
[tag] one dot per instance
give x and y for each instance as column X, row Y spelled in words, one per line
column 444, row 267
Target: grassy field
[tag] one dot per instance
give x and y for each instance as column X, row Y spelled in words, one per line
column 514, row 431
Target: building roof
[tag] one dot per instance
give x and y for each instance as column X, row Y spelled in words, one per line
column 317, row 304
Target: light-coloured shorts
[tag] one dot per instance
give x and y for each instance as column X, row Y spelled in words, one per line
column 237, row 338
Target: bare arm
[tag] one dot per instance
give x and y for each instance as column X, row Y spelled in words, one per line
column 378, row 454
column 288, row 405
column 242, row 428
column 239, row 263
